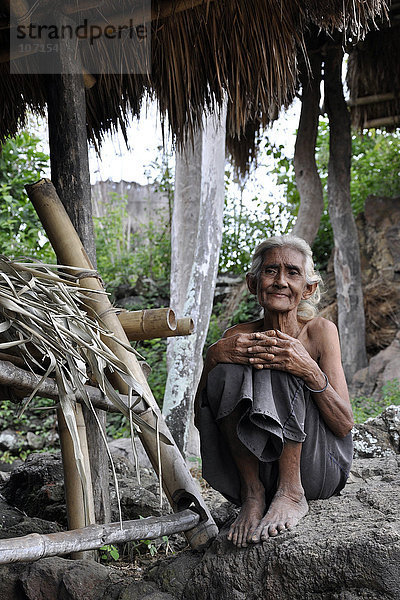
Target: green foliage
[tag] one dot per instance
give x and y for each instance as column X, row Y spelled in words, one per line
column 246, row 223
column 21, row 233
column 155, row 353
column 214, row 332
column 108, row 552
column 365, row 407
column 151, row 547
column 247, row 310
column 375, row 170
column 124, row 257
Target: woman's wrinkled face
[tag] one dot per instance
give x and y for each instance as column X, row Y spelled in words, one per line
column 282, row 283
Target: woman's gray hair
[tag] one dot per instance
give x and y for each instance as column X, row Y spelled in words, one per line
column 307, row 309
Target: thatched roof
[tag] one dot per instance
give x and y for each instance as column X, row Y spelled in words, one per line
column 200, row 52
column 373, row 77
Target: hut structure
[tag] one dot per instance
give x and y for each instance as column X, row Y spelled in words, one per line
column 188, row 55
column 373, row 76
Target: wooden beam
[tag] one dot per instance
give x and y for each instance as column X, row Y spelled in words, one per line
column 374, row 99
column 35, row 546
column 382, row 122
column 24, row 382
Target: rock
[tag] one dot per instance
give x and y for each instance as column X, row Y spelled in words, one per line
column 56, row 578
column 379, row 436
column 36, row 487
column 62, row 579
column 123, row 447
column 144, row 591
column 35, row 442
column 347, row 547
column 382, row 368
column 10, row 440
column 29, row 525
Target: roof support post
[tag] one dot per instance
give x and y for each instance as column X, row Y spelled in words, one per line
column 307, row 178
column 351, row 318
column 70, row 175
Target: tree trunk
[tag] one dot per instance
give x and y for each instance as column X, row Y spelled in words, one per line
column 196, row 241
column 305, row 168
column 351, row 318
column 70, row 175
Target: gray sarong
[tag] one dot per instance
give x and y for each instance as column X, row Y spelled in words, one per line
column 274, row 406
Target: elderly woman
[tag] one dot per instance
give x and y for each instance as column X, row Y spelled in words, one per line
column 272, row 406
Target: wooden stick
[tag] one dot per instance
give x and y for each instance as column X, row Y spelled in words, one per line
column 70, row 251
column 35, row 546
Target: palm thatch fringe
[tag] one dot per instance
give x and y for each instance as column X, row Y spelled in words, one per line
column 245, row 50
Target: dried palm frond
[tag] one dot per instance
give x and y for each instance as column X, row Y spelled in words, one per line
column 43, row 318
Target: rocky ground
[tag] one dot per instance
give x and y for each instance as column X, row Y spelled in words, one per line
column 347, row 547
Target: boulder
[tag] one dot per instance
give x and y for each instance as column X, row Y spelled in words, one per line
column 36, row 487
column 378, row 436
column 382, row 368
column 347, row 547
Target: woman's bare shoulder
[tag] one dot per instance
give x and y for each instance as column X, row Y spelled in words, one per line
column 321, row 327
column 249, row 327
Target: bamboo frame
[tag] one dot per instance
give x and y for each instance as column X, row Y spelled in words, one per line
column 35, row 546
column 69, row 250
column 73, row 487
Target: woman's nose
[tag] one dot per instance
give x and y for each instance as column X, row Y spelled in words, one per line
column 280, row 279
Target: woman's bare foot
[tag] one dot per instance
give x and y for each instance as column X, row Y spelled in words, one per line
column 248, row 519
column 285, row 511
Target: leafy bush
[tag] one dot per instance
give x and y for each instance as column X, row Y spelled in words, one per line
column 364, row 407
column 21, row 233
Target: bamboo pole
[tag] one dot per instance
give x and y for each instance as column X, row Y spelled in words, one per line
column 73, row 486
column 35, row 546
column 373, row 99
column 154, row 323
column 184, row 326
column 148, row 324
column 69, row 250
column 382, row 122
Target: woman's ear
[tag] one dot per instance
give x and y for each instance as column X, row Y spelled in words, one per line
column 251, row 283
column 309, row 290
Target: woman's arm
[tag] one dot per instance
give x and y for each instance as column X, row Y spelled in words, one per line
column 289, row 354
column 233, row 347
